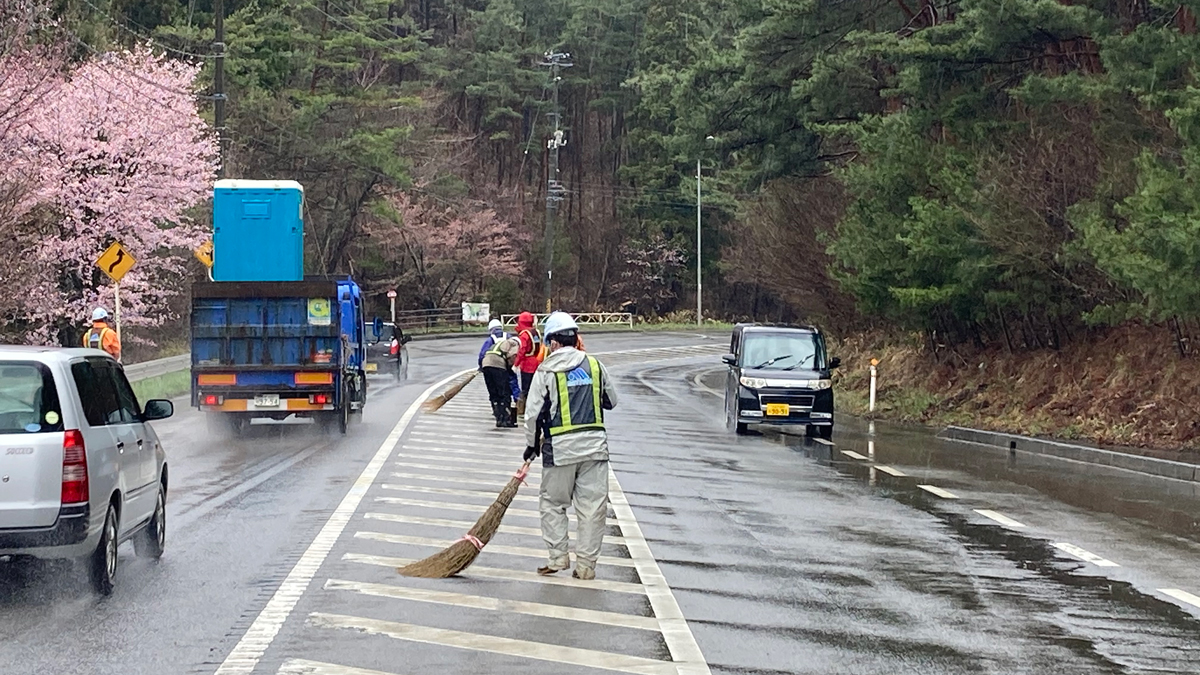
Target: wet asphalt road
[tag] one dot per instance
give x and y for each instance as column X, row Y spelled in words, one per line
column 777, row 553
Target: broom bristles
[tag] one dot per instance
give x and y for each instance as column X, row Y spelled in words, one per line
column 459, row 555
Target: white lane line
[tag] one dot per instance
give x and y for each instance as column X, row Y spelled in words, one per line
column 496, row 485
column 466, row 457
column 685, row 651
column 1182, row 596
column 635, row 665
column 999, row 518
column 854, row 455
column 933, row 489
column 468, row 524
column 1084, row 555
column 306, row 667
column 477, row 494
column 822, row 441
column 890, row 471
column 476, row 571
column 456, row 468
column 464, row 437
column 468, row 508
column 520, row 551
column 250, row 648
column 495, row 604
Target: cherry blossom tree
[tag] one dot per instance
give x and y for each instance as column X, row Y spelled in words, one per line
column 115, row 151
column 440, row 255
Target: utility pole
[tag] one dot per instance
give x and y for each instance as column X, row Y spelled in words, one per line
column 554, row 188
column 699, row 286
column 219, row 85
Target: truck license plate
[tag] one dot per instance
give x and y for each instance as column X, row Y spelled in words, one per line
column 371, row 367
column 778, row 409
column 266, row 401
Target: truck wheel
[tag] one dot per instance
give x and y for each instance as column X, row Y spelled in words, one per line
column 344, row 417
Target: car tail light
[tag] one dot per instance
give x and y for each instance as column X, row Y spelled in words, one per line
column 74, row 473
column 395, row 347
column 319, row 399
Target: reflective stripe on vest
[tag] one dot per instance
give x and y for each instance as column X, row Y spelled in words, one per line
column 579, row 400
column 535, row 344
column 94, row 338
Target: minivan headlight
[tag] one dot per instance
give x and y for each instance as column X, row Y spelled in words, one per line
column 821, row 384
column 753, row 382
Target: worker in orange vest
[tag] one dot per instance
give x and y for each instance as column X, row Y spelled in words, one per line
column 102, row 336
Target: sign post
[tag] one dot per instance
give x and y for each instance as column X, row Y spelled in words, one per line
column 116, row 263
column 392, row 302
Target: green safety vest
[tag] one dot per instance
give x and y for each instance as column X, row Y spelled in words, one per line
column 580, row 394
column 496, row 348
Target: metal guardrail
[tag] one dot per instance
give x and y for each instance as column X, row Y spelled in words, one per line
column 148, row 369
column 439, row 320
column 582, row 318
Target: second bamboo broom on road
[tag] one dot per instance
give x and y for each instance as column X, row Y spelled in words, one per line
column 463, row 552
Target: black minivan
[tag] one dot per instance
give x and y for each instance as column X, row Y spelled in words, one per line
column 779, row 375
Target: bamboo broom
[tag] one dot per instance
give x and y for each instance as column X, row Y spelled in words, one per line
column 459, row 555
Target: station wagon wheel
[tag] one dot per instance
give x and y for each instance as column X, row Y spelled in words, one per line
column 152, row 541
column 102, row 568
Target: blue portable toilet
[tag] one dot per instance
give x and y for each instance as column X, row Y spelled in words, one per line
column 258, row 230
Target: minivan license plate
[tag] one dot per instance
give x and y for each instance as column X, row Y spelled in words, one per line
column 371, row 367
column 778, row 409
column 266, row 401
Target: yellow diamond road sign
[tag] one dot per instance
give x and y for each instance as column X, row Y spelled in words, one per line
column 115, row 262
column 204, row 253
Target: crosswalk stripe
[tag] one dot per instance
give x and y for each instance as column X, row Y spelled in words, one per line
column 477, row 494
column 454, row 468
column 453, row 458
column 431, row 437
column 467, row 524
column 468, row 508
column 635, row 665
column 494, row 484
column 509, row 575
column 520, row 551
column 495, row 604
column 306, row 667
column 446, row 451
column 890, row 471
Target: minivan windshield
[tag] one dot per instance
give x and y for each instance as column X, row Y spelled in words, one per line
column 28, row 399
column 782, row 351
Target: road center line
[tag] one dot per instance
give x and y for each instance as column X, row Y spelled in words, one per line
column 1084, row 555
column 1182, row 596
column 685, row 651
column 933, row 489
column 250, row 648
column 999, row 518
column 495, row 604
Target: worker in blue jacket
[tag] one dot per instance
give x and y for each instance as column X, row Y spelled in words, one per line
column 496, row 333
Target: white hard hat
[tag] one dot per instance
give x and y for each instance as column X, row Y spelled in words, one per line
column 494, row 324
column 559, row 322
column 99, row 314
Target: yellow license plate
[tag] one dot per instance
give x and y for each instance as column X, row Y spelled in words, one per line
column 371, row 367
column 778, row 409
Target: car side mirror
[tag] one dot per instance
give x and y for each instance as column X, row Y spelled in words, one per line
column 729, row 359
column 835, row 363
column 158, row 409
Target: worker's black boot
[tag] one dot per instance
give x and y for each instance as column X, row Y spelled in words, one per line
column 510, row 417
column 498, row 413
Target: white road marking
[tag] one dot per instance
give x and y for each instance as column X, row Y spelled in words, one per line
column 520, row 551
column 999, row 518
column 250, row 648
column 822, row 441
column 477, row 494
column 455, row 438
column 853, row 455
column 541, row 651
column 496, row 485
column 468, row 508
column 1182, row 596
column 456, row 453
column 467, row 524
column 496, row 604
column 476, row 571
column 685, row 651
column 472, row 458
column 457, row 468
column 890, row 471
column 933, row 489
column 305, row 667
column 1084, row 555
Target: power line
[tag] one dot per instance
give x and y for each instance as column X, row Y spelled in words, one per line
column 143, row 37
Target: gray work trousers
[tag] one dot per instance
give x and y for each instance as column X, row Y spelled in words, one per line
column 584, row 484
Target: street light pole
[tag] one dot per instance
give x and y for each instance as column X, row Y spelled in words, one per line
column 699, row 285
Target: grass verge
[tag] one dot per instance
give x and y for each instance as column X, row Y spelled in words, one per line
column 167, row 386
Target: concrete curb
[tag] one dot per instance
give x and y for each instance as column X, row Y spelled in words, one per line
column 1079, row 453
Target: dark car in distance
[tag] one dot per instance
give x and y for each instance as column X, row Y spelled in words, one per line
column 779, row 375
column 386, row 352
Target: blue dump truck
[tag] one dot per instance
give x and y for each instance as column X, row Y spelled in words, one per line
column 267, row 341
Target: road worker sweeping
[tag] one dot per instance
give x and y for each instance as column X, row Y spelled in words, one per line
column 496, row 365
column 570, row 392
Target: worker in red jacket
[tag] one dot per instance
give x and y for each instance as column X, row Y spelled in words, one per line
column 530, row 355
